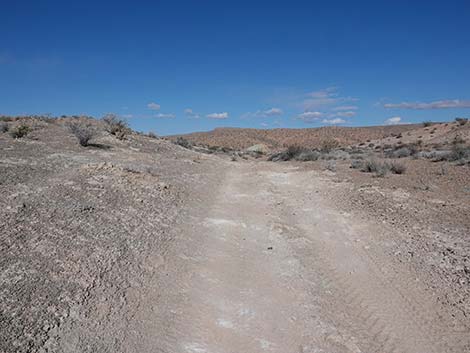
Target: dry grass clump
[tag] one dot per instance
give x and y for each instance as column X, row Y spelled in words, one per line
column 380, row 169
column 116, row 126
column 427, row 123
column 20, row 131
column 83, row 132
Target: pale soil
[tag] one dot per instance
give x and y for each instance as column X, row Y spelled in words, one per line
column 274, row 267
column 146, row 247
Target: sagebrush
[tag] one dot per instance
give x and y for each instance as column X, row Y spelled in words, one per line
column 83, row 132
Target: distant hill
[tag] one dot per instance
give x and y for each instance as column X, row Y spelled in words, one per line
column 242, row 138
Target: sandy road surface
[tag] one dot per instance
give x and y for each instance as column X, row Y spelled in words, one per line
column 272, row 267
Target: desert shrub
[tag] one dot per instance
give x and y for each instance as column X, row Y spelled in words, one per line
column 335, row 154
column 328, row 145
column 401, row 152
column 436, row 155
column 181, row 141
column 331, row 166
column 373, row 166
column 459, row 153
column 152, row 135
column 356, row 164
column 427, row 123
column 3, row 126
column 461, row 121
column 292, row 152
column 20, row 131
column 397, row 168
column 305, row 156
column 116, row 126
column 83, row 132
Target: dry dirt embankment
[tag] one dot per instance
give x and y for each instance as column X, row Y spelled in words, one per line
column 84, row 232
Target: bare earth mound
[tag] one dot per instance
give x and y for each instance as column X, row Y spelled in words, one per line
column 239, row 139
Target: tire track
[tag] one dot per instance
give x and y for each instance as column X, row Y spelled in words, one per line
column 389, row 316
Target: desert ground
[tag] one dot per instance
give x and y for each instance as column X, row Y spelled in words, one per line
column 328, row 240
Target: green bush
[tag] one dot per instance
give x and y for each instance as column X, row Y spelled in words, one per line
column 20, row 131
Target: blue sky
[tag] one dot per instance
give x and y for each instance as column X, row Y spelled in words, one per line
column 180, row 66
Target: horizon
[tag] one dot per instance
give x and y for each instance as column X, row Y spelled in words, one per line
column 181, row 67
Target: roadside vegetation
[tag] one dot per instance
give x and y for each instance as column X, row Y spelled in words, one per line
column 82, row 131
column 20, row 131
column 116, row 126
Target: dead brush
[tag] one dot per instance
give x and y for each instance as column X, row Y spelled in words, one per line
column 83, row 132
column 373, row 166
column 116, row 126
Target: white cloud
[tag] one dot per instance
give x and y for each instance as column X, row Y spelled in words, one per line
column 393, row 120
column 153, row 106
column 273, row 112
column 190, row 113
column 323, row 93
column 165, row 116
column 128, row 116
column 345, row 107
column 325, row 97
column 333, row 121
column 309, row 117
column 223, row 115
column 263, row 113
column 264, row 124
column 347, row 114
column 442, row 104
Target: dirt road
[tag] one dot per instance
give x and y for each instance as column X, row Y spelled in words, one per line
column 273, row 267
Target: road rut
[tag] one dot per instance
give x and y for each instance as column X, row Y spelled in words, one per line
column 273, row 267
